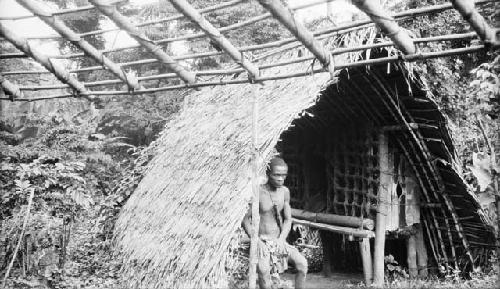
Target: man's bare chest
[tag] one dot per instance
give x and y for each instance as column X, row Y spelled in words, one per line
column 269, row 199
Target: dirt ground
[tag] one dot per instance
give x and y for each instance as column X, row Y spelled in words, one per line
column 319, row 281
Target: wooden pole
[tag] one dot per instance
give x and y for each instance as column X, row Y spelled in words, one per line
column 421, row 252
column 341, row 220
column 361, row 63
column 31, row 50
column 321, row 33
column 252, row 272
column 366, row 258
column 124, row 23
column 46, row 16
column 468, row 10
column 383, row 192
column 280, row 12
column 411, row 256
column 357, row 233
column 214, row 34
column 59, row 12
column 387, row 24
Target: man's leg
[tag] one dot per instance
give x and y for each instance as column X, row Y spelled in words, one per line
column 300, row 264
column 264, row 272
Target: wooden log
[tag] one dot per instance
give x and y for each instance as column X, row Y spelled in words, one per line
column 469, row 12
column 31, row 50
column 253, row 258
column 421, row 252
column 361, row 63
column 382, row 211
column 387, row 24
column 280, row 12
column 348, row 221
column 411, row 256
column 59, row 12
column 185, row 8
column 125, row 24
column 358, row 233
column 366, row 258
column 47, row 17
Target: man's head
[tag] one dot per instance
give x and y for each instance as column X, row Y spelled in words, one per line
column 277, row 172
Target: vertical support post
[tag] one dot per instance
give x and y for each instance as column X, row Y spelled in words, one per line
column 383, row 192
column 411, row 253
column 366, row 259
column 252, row 273
column 421, row 252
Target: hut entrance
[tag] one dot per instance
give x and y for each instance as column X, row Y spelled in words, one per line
column 335, row 174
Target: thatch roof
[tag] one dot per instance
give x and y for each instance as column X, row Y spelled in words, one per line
column 182, row 218
column 178, row 227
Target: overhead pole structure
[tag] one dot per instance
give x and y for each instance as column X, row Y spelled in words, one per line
column 284, row 15
column 50, row 19
column 467, row 9
column 60, row 72
column 106, row 8
column 10, row 88
column 387, row 24
column 214, row 34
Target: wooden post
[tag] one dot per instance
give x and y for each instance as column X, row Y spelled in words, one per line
column 467, row 8
column 366, row 258
column 383, row 191
column 411, row 250
column 252, row 272
column 387, row 24
column 421, row 252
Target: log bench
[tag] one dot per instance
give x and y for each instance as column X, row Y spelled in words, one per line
column 362, row 229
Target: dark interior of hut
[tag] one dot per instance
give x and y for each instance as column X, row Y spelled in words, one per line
column 331, row 151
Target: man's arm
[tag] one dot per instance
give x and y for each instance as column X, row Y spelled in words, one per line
column 287, row 216
column 247, row 222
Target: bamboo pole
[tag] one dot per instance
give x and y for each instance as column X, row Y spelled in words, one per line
column 362, row 63
column 47, row 17
column 253, row 258
column 59, row 12
column 341, row 220
column 185, row 8
column 59, row 71
column 109, row 10
column 357, row 233
column 213, row 8
column 336, row 51
column 468, row 10
column 339, row 29
column 10, row 88
column 387, row 24
column 280, row 12
column 383, row 191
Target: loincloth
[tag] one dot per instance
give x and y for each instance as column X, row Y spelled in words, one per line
column 275, row 252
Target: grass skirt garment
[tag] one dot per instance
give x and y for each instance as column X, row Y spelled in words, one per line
column 275, row 252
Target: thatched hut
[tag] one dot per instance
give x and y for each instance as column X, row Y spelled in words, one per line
column 371, row 130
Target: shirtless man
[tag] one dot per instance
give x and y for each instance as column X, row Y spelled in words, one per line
column 273, row 251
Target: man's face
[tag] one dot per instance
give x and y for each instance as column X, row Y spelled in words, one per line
column 277, row 176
